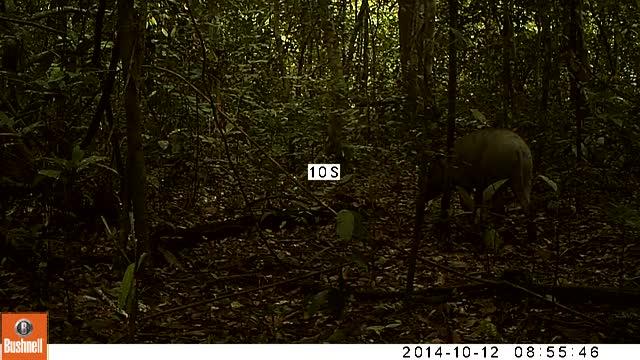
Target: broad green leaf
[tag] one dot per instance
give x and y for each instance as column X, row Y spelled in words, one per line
column 54, row 174
column 55, row 74
column 491, row 190
column 91, row 160
column 5, row 120
column 478, row 116
column 127, row 289
column 467, row 201
column 76, row 156
column 28, row 129
column 345, row 225
column 552, row 184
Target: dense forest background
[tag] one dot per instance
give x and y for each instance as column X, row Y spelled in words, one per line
column 154, row 156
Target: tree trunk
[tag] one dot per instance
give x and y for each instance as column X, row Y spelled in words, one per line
column 406, row 18
column 132, row 42
column 545, row 41
column 578, row 69
column 507, row 61
column 427, row 37
column 337, row 86
column 451, row 93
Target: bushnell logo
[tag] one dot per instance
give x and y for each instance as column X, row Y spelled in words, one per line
column 23, row 327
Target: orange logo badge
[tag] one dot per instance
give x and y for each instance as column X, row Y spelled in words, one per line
column 24, row 336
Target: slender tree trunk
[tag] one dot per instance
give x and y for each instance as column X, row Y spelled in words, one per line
column 452, row 93
column 406, row 19
column 365, row 46
column 430, row 113
column 337, row 84
column 507, row 63
column 97, row 35
column 577, row 68
column 603, row 36
column 543, row 10
column 132, row 43
column 285, row 91
column 428, row 59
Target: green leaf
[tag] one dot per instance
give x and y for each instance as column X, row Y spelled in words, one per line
column 339, row 335
column 625, row 215
column 236, row 305
column 55, row 74
column 330, row 300
column 492, row 240
column 478, row 116
column 127, row 289
column 465, row 197
column 76, row 156
column 492, row 189
column 142, row 261
column 345, row 224
column 54, row 174
column 28, row 129
column 375, row 328
column 346, row 179
column 318, row 302
column 552, row 184
column 91, row 160
column 360, row 260
column 171, row 259
column 394, row 324
column 488, row 330
column 5, row 120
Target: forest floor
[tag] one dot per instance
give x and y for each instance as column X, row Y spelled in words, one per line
column 300, row 284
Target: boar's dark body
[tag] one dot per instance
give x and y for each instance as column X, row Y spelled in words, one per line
column 486, row 156
column 480, row 159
